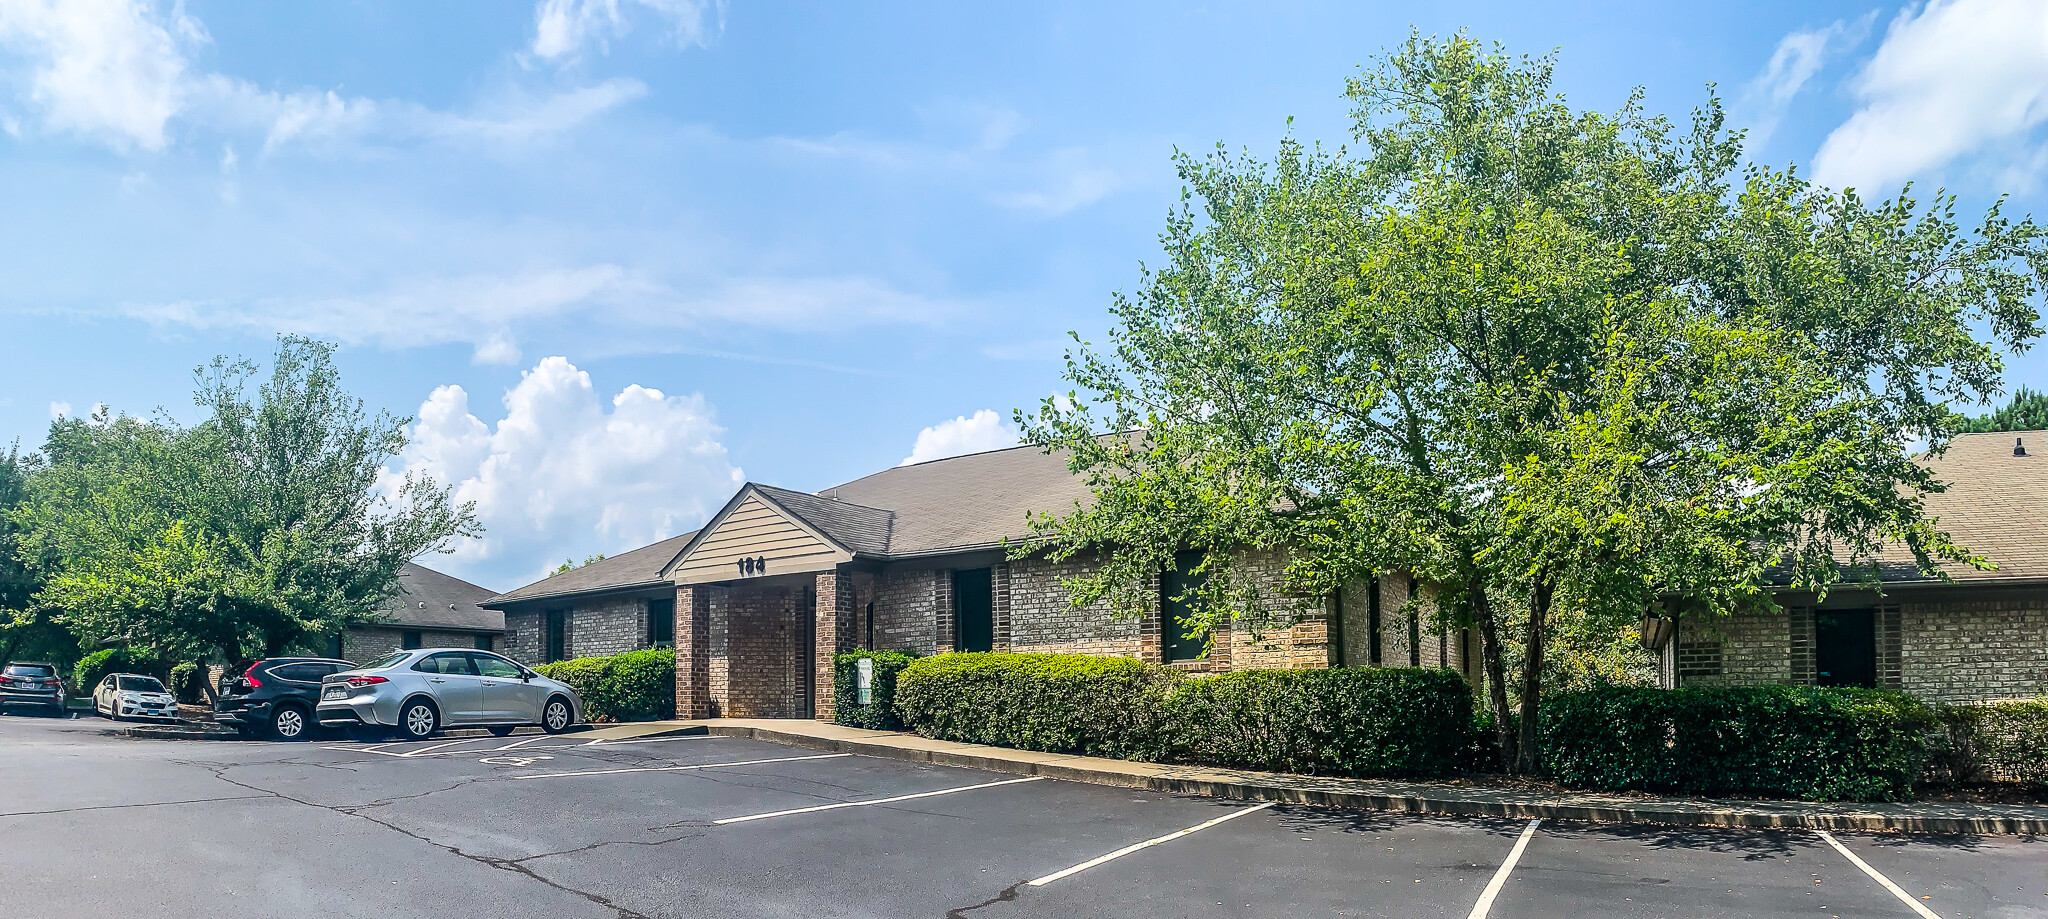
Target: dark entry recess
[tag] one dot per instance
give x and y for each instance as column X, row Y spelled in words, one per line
column 553, row 642
column 1845, row 648
column 974, row 609
column 1177, row 601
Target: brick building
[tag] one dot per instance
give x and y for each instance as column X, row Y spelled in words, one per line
column 1979, row 635
column 912, row 558
column 431, row 610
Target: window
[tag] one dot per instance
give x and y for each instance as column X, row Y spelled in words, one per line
column 1180, row 606
column 554, row 641
column 492, row 665
column 334, row 646
column 661, row 622
column 385, row 661
column 1845, row 648
column 140, row 684
column 409, row 640
column 452, row 662
column 486, row 642
column 302, row 673
column 37, row 671
column 974, row 609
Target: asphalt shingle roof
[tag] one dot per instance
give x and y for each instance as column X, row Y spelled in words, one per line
column 865, row 530
column 966, row 502
column 1996, row 505
column 428, row 599
column 638, row 568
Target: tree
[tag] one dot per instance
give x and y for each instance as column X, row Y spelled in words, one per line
column 1561, row 365
column 262, row 526
column 2028, row 411
column 26, row 630
column 571, row 564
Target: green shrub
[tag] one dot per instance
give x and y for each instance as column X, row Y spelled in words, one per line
column 634, row 686
column 880, row 712
column 1786, row 741
column 1994, row 741
column 94, row 667
column 1359, row 722
column 188, row 682
column 1057, row 703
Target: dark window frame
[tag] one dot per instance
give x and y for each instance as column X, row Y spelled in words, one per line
column 964, row 638
column 1174, row 645
column 661, row 622
column 554, row 636
column 410, row 640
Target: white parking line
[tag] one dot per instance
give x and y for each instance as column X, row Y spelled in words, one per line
column 1077, row 869
column 828, row 807
column 1500, row 878
column 1903, row 896
column 423, row 750
column 750, row 762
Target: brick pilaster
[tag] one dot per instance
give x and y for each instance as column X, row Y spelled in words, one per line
column 693, row 653
column 835, row 633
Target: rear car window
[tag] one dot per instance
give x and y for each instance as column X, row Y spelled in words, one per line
column 32, row 670
column 301, row 673
column 385, row 661
column 445, row 663
column 139, row 684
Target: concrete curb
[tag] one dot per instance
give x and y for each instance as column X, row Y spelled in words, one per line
column 1358, row 794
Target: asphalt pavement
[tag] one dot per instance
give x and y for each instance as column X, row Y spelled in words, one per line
column 98, row 824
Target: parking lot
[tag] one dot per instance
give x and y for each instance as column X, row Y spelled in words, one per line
column 559, row 826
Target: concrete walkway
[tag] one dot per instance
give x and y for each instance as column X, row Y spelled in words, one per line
column 1369, row 794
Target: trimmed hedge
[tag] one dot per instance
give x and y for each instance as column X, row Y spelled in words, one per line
column 188, row 682
column 1781, row 741
column 94, row 667
column 1355, row 722
column 634, row 686
column 1998, row 741
column 1055, row 703
column 880, row 713
column 1358, row 722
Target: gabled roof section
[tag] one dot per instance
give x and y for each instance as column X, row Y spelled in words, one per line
column 967, row 502
column 641, row 567
column 856, row 527
column 1996, row 505
column 428, row 599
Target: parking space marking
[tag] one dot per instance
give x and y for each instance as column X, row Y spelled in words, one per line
column 828, row 807
column 1886, row 882
column 1157, row 840
column 437, row 746
column 749, row 762
column 1500, row 878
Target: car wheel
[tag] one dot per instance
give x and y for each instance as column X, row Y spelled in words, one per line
column 503, row 730
column 288, row 723
column 417, row 719
column 554, row 718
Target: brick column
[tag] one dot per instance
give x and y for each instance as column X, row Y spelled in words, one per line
column 835, row 633
column 693, row 653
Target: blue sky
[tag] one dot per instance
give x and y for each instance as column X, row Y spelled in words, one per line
column 619, row 256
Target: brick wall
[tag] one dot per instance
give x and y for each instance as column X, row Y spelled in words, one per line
column 1753, row 649
column 1993, row 647
column 360, row 645
column 1041, row 619
column 1302, row 639
column 608, row 626
column 693, row 653
column 834, row 598
column 522, row 635
column 758, row 656
column 907, row 611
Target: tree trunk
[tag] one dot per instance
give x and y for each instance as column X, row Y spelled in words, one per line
column 1528, row 761
column 1496, row 675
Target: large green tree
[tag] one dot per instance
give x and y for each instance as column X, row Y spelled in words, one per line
column 260, row 527
column 1560, row 364
column 2028, row 411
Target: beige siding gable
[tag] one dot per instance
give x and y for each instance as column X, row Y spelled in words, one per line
column 754, row 528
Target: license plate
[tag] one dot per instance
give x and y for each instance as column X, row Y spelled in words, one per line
column 334, row 692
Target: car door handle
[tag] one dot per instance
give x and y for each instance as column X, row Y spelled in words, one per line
column 491, row 683
column 435, row 679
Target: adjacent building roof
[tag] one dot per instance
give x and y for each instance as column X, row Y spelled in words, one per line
column 428, row 599
column 1996, row 505
column 638, row 568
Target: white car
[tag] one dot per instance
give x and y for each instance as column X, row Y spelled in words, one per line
column 133, row 695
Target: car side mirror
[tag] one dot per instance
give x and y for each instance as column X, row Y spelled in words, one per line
column 526, row 676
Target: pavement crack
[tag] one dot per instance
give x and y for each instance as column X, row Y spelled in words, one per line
column 490, row 861
column 110, row 807
column 1009, row 893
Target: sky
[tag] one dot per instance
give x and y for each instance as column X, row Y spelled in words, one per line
column 616, row 257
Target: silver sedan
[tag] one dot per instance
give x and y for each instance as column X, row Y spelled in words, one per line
column 421, row 691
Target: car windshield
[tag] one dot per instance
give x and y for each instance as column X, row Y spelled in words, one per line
column 34, row 670
column 140, row 684
column 386, row 661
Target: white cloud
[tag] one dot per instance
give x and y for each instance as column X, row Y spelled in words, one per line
column 559, row 476
column 107, row 69
column 484, row 310
column 1952, row 78
column 561, row 28
column 1795, row 61
column 117, row 71
column 1069, row 182
column 60, row 410
column 984, row 430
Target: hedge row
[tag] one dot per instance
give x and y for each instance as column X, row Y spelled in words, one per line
column 2000, row 741
column 1781, row 741
column 634, row 686
column 879, row 714
column 1353, row 722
